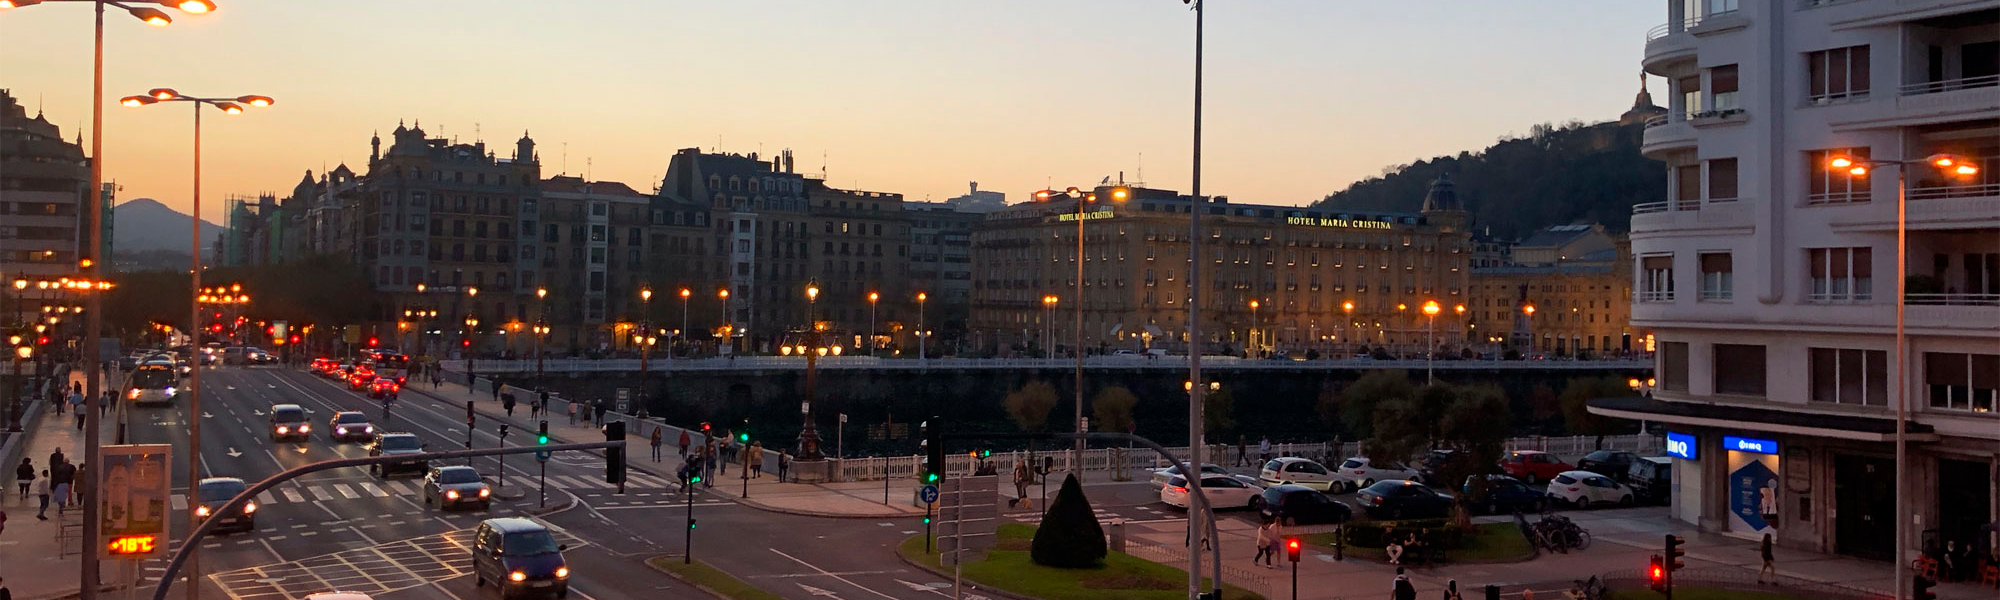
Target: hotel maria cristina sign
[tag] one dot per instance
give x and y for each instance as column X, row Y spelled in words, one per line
column 1331, row 222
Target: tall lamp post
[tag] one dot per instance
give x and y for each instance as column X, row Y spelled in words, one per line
column 1252, row 337
column 1048, row 324
column 872, row 298
column 1430, row 342
column 728, row 323
column 808, row 433
column 541, row 328
column 1951, row 165
column 1196, row 240
column 680, row 335
column 1079, row 200
column 645, row 338
column 231, row 106
column 923, row 355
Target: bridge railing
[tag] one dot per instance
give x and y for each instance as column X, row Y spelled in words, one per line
column 581, row 365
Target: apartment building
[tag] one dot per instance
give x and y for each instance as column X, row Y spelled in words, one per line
column 43, row 184
column 1781, row 401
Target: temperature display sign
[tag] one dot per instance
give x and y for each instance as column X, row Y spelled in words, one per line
column 133, row 508
column 127, row 545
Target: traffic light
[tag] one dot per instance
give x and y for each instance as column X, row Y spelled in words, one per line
column 1656, row 574
column 374, row 341
column 1920, row 588
column 614, row 457
column 705, row 427
column 1670, row 561
column 691, row 521
column 468, row 413
column 1292, row 549
column 542, row 434
column 933, row 445
column 743, row 436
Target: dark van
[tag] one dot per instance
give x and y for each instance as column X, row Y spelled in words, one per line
column 520, row 557
column 1651, row 479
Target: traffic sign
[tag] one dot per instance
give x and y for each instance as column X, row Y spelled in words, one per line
column 928, row 494
column 542, row 455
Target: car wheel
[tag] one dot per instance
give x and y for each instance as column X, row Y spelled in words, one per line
column 1625, row 501
column 1492, row 508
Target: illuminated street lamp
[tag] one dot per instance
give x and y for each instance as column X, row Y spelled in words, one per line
column 645, row 332
column 1048, row 323
column 541, row 328
column 1431, row 310
column 1254, row 305
column 728, row 324
column 808, row 432
column 872, row 298
column 923, row 357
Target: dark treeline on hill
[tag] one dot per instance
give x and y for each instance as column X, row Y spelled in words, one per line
column 1557, row 174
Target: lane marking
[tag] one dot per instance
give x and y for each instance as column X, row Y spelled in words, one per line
column 835, row 577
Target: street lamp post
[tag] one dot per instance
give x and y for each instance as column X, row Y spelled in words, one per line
column 923, row 356
column 541, row 329
column 872, row 298
column 1048, row 324
column 1252, row 337
column 681, row 335
column 645, row 335
column 808, row 433
column 1430, row 342
column 728, row 326
column 1859, row 167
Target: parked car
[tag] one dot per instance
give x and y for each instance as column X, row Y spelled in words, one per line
column 1398, row 499
column 1301, row 505
column 520, row 557
column 1433, row 463
column 1222, row 491
column 1160, row 476
column 1651, row 479
column 1609, row 463
column 1292, row 470
column 1503, row 494
column 1360, row 472
column 1583, row 489
column 1533, row 466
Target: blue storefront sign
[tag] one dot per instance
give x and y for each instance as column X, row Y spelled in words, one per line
column 1682, row 445
column 1744, row 444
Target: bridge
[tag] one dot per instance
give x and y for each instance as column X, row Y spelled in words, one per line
column 1222, row 364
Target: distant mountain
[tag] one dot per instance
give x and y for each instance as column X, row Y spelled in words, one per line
column 143, row 224
column 1556, row 175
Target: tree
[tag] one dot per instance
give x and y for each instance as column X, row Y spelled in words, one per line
column 1218, row 411
column 1359, row 401
column 1576, row 413
column 1399, row 431
column 1476, row 426
column 1030, row 405
column 1069, row 536
column 1113, row 409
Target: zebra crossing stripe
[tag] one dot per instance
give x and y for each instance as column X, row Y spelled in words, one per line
column 319, row 493
column 292, row 495
column 265, row 497
column 398, row 488
column 373, row 490
column 345, row 492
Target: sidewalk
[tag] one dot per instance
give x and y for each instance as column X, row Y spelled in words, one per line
column 860, row 499
column 30, row 559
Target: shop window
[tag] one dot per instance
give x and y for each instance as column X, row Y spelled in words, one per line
column 1848, row 376
column 1739, row 369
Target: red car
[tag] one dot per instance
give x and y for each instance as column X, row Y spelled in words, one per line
column 1533, row 465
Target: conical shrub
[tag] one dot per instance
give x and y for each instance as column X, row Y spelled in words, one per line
column 1069, row 536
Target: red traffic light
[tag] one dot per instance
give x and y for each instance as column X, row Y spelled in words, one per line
column 704, row 426
column 373, row 342
column 296, row 339
column 1292, row 549
column 44, row 340
column 465, row 343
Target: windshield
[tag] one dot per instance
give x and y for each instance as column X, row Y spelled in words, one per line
column 401, row 442
column 152, row 379
column 458, row 476
column 288, row 414
column 528, row 543
column 218, row 491
column 350, row 417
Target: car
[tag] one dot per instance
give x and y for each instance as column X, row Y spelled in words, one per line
column 1583, row 489
column 1360, row 472
column 349, row 426
column 455, row 487
column 1293, row 470
column 1502, row 494
column 317, row 366
column 1397, row 499
column 288, row 422
column 212, row 492
column 1160, row 476
column 1609, row 463
column 520, row 557
column 395, row 444
column 1651, row 479
column 1301, row 505
column 1222, row 491
column 360, row 379
column 1533, row 466
column 1433, row 463
column 257, row 356
column 234, row 355
column 383, row 388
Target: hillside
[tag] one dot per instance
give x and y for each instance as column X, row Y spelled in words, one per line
column 1558, row 174
column 143, row 224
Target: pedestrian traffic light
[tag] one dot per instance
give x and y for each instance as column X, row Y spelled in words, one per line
column 468, row 413
column 743, row 437
column 1920, row 588
column 704, row 427
column 691, row 521
column 1656, row 574
column 1292, row 549
column 933, row 446
column 542, row 433
column 614, row 457
column 374, row 341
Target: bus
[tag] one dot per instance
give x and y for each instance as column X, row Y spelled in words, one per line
column 388, row 365
column 151, row 383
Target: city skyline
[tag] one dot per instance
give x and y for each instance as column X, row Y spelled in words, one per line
column 899, row 129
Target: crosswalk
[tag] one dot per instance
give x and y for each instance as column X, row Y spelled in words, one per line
column 300, row 493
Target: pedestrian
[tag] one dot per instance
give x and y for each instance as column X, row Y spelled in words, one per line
column 1242, row 452
column 1021, row 480
column 61, row 476
column 1770, row 562
column 76, row 408
column 1264, row 448
column 572, row 412
column 784, row 465
column 1451, row 590
column 708, row 464
column 1394, row 549
column 56, row 458
column 755, row 459
column 24, row 475
column 1264, row 544
column 104, row 402
column 1401, row 588
column 42, row 492
column 657, row 438
column 723, row 454
column 600, row 410
column 495, row 384
column 507, row 403
column 684, row 442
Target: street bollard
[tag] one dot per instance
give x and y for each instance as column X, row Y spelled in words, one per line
column 1118, row 535
column 1492, row 592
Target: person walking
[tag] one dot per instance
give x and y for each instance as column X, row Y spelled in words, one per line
column 1401, row 588
column 684, row 442
column 1022, row 478
column 1770, row 561
column 708, row 464
column 24, row 475
column 60, row 477
column 42, row 492
column 1242, row 452
column 784, row 464
column 1264, row 448
column 658, row 438
column 1451, row 590
column 724, row 453
column 507, row 404
column 598, row 410
column 573, row 407
column 48, row 391
column 755, row 458
column 1264, row 544
column 495, row 384
column 56, row 458
column 76, row 408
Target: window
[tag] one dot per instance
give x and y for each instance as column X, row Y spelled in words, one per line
column 1656, row 279
column 1849, row 376
column 1716, row 7
column 1837, row 75
column 1722, row 86
column 1828, row 185
column 1962, row 381
column 1716, row 277
column 1739, row 369
column 1687, row 186
column 1721, row 179
column 1690, row 97
column 1674, row 366
column 1841, row 274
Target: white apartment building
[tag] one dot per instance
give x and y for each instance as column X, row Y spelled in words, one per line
column 1778, row 387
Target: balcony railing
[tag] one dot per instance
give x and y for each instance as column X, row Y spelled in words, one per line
column 1840, row 197
column 1655, row 296
column 1656, row 120
column 1668, row 28
column 1957, row 191
column 1934, row 87
column 1953, row 299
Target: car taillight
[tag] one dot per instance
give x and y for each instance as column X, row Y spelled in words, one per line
column 1377, row 499
column 1180, row 489
column 1360, row 472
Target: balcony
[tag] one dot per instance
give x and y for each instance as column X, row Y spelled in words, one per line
column 1714, row 215
column 1930, row 208
column 1666, row 133
column 1670, row 49
column 1960, row 313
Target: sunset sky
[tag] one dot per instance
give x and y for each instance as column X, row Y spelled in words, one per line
column 910, row 96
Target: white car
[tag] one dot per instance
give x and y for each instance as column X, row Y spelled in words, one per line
column 1584, row 488
column 1160, row 476
column 1222, row 491
column 1360, row 472
column 1296, row 471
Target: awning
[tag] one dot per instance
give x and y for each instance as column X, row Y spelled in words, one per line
column 1153, row 331
column 1745, row 418
column 1114, row 330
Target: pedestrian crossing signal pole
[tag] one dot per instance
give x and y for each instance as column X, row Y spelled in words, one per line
column 1292, row 552
column 614, row 458
column 503, row 458
column 687, row 551
column 542, row 461
column 468, row 429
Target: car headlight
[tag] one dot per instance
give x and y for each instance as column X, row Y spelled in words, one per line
column 170, row 391
column 340, row 431
column 562, row 571
column 369, row 429
column 518, row 576
column 452, row 494
column 483, row 492
column 305, row 428
column 201, row 511
column 283, row 429
column 249, row 507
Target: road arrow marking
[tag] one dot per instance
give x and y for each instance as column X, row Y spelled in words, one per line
column 818, row 592
column 271, row 385
column 233, row 453
column 207, row 415
column 257, row 412
column 228, row 387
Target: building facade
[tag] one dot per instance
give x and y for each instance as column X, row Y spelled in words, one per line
column 1567, row 294
column 1276, row 278
column 1782, row 401
column 43, row 185
column 761, row 230
column 863, row 244
column 941, row 262
column 586, row 243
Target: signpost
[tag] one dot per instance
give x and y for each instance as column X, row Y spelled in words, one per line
column 624, row 401
column 968, row 512
column 133, row 505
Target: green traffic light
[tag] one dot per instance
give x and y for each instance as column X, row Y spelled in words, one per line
column 696, row 479
column 544, row 440
column 930, row 477
column 927, row 520
column 743, row 437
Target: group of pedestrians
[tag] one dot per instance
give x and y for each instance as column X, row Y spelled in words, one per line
column 53, row 483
